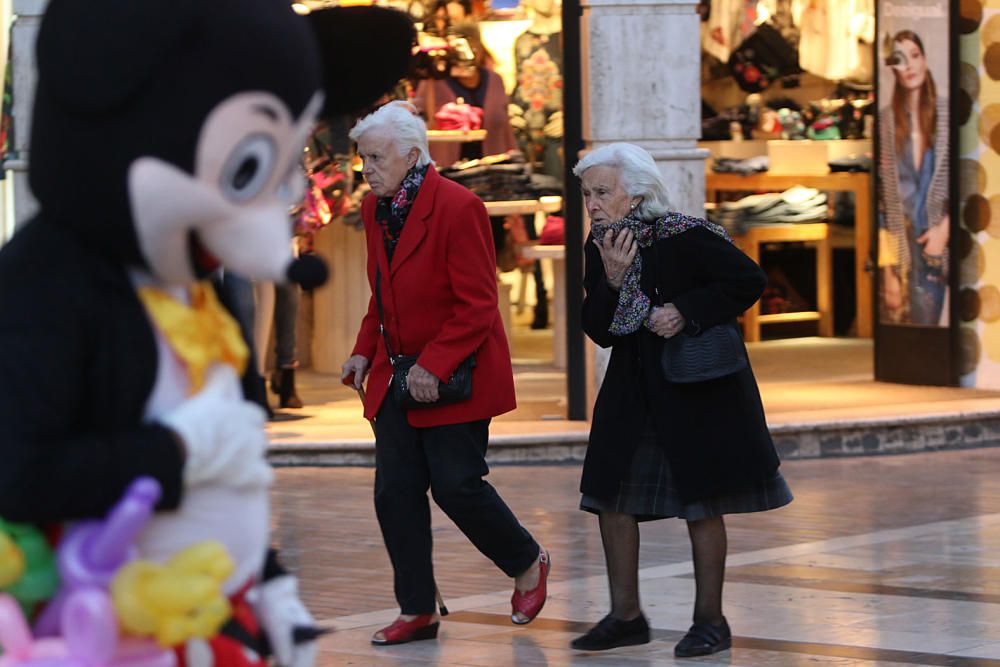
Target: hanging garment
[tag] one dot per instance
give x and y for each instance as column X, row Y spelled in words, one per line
column 538, row 60
column 729, row 23
column 830, row 30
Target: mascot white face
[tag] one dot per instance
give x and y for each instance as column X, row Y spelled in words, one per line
column 233, row 210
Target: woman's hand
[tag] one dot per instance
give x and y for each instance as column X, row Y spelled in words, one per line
column 617, row 252
column 892, row 291
column 355, row 369
column 935, row 239
column 423, row 384
column 666, row 321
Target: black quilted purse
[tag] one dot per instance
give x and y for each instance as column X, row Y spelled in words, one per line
column 458, row 388
column 716, row 353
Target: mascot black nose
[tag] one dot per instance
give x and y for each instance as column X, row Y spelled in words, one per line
column 308, row 271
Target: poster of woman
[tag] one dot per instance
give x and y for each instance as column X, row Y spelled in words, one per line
column 914, row 145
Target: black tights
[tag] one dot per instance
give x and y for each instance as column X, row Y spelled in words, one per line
column 620, row 535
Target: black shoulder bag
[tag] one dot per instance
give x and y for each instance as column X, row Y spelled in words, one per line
column 716, row 352
column 458, row 388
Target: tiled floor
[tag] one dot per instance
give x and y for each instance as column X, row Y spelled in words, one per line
column 879, row 561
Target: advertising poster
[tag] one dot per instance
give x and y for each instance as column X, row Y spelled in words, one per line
column 913, row 185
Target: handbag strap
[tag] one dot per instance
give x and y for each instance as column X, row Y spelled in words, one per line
column 657, row 297
column 381, row 316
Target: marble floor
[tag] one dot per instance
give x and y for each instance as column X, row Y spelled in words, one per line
column 878, row 561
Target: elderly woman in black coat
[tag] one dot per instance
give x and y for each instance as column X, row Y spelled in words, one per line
column 657, row 448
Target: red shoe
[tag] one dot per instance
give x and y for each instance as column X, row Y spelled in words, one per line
column 401, row 632
column 530, row 603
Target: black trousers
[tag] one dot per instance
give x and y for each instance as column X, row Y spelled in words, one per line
column 450, row 461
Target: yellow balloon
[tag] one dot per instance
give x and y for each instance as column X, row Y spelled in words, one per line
column 12, row 563
column 177, row 601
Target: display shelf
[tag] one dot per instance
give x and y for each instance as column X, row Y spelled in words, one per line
column 549, row 204
column 819, row 234
column 454, row 136
column 860, row 185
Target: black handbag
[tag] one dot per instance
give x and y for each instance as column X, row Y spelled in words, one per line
column 716, row 352
column 458, row 388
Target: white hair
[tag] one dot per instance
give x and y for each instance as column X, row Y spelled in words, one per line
column 638, row 173
column 400, row 119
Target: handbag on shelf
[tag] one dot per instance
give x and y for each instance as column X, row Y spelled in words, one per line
column 714, row 353
column 458, row 388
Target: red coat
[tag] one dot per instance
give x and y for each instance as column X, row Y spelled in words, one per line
column 440, row 300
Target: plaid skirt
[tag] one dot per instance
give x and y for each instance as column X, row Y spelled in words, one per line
column 649, row 493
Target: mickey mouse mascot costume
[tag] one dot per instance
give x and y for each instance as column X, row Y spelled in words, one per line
column 165, row 143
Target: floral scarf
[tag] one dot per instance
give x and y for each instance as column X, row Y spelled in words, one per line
column 391, row 213
column 633, row 305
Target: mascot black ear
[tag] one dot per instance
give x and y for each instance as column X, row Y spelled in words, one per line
column 380, row 38
column 96, row 54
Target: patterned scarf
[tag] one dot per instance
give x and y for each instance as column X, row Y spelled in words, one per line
column 633, row 305
column 391, row 213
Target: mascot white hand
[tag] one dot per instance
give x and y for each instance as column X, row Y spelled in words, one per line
column 288, row 624
column 223, row 434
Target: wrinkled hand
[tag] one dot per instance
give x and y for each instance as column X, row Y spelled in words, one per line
column 358, row 366
column 554, row 126
column 666, row 321
column 423, row 384
column 280, row 611
column 617, row 252
column 935, row 239
column 223, row 434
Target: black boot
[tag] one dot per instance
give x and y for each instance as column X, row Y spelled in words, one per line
column 285, row 381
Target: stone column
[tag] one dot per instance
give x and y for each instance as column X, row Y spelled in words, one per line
column 28, row 17
column 641, row 65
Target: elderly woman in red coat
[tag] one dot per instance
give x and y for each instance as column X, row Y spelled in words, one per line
column 430, row 260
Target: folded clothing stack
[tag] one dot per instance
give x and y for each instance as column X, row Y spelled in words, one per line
column 502, row 178
column 745, row 166
column 796, row 204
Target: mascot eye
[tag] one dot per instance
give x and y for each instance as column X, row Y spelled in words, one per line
column 248, row 167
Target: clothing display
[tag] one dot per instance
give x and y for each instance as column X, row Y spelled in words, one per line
column 830, row 35
column 796, row 204
column 728, row 23
column 745, row 166
column 538, row 60
column 499, row 135
column 502, row 178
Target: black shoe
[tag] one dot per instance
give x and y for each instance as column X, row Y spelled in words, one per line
column 704, row 639
column 283, row 384
column 612, row 632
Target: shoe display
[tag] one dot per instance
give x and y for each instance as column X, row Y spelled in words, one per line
column 613, row 632
column 530, row 603
column 704, row 639
column 402, row 632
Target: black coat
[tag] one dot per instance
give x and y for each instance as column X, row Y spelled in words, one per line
column 713, row 433
column 77, row 364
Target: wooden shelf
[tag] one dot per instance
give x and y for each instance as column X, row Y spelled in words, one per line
column 800, row 316
column 524, row 206
column 860, row 185
column 454, row 136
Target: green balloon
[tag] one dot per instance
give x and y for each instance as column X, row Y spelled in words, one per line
column 41, row 577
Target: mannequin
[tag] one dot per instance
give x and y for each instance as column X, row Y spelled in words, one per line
column 537, row 97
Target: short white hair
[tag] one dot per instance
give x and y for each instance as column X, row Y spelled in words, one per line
column 401, row 121
column 638, row 173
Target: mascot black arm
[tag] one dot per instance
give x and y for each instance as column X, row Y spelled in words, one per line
column 72, row 397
